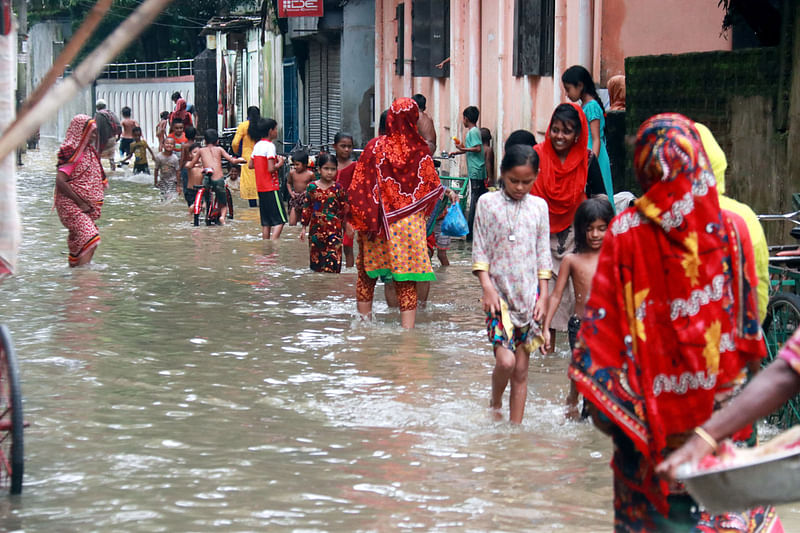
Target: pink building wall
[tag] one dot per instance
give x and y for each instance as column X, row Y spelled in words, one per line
column 600, row 32
column 649, row 27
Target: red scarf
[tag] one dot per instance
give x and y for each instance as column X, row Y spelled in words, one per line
column 563, row 185
column 672, row 318
column 181, row 113
column 394, row 177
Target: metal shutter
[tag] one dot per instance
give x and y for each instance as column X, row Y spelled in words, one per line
column 314, row 100
column 334, row 92
column 324, row 92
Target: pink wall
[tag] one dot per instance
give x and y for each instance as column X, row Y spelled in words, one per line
column 481, row 57
column 648, row 27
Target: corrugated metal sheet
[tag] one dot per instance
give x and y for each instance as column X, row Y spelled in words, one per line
column 324, row 101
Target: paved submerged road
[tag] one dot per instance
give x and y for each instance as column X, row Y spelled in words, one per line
column 199, row 378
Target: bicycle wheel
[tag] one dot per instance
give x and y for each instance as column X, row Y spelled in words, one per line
column 12, row 463
column 783, row 318
column 209, row 210
column 229, row 200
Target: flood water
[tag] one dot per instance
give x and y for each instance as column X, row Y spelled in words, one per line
column 197, row 379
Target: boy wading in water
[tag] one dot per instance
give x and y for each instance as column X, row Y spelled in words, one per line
column 211, row 158
column 511, row 235
column 591, row 222
column 299, row 178
column 265, row 161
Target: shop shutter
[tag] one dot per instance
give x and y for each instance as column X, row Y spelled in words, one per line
column 324, row 92
column 314, row 100
column 334, row 80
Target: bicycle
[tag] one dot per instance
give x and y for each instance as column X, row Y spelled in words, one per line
column 207, row 203
column 783, row 308
column 12, row 463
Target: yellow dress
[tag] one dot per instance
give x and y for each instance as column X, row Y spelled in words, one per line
column 247, row 176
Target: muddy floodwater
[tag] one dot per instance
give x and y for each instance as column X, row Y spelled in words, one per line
column 199, row 379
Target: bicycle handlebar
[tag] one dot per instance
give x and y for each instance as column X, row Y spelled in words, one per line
column 790, row 217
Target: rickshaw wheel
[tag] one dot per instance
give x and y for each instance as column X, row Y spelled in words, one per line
column 12, row 462
column 783, row 318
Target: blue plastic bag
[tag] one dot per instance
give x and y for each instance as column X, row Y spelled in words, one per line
column 455, row 223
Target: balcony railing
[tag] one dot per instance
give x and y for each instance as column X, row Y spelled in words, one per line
column 145, row 69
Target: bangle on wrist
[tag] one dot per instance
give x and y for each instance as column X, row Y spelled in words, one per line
column 706, row 436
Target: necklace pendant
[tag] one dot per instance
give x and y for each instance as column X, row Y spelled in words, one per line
column 512, row 238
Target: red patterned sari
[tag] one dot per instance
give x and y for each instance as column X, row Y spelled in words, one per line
column 78, row 159
column 394, row 189
column 668, row 331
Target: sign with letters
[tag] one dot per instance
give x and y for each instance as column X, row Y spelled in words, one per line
column 300, row 8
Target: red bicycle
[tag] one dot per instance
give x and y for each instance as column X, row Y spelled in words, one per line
column 207, row 203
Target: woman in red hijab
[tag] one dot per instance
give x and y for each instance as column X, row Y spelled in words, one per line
column 670, row 328
column 180, row 110
column 394, row 189
column 80, row 185
column 567, row 173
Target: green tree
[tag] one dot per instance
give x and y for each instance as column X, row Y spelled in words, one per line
column 175, row 33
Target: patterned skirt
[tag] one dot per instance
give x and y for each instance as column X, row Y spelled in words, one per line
column 404, row 257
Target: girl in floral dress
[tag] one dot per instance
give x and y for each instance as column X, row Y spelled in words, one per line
column 511, row 258
column 323, row 214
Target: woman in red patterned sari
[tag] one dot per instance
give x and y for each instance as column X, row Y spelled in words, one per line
column 670, row 326
column 394, row 189
column 80, row 184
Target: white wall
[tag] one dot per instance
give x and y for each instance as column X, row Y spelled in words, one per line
column 147, row 98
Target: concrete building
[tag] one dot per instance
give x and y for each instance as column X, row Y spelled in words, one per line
column 507, row 56
column 248, row 70
column 329, row 73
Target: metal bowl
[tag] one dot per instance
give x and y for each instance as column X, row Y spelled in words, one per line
column 767, row 480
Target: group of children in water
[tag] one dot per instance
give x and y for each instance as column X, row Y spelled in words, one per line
column 511, row 235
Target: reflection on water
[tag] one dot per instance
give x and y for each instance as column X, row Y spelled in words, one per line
column 199, row 378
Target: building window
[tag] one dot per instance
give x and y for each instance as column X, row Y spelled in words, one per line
column 430, row 37
column 533, row 37
column 400, row 17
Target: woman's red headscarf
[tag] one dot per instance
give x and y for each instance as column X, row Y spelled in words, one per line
column 181, row 113
column 394, row 177
column 616, row 93
column 563, row 185
column 76, row 140
column 672, row 318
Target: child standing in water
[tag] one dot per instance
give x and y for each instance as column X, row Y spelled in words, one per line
column 165, row 174
column 127, row 137
column 194, row 177
column 579, row 85
column 591, row 222
column 323, row 215
column 511, row 257
column 299, row 178
column 138, row 149
column 266, row 162
column 161, row 129
column 343, row 146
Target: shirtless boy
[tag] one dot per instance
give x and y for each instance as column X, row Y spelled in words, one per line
column 126, row 139
column 194, row 177
column 299, row 178
column 591, row 222
column 210, row 156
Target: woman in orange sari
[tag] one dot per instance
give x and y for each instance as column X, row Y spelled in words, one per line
column 393, row 191
column 80, row 185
